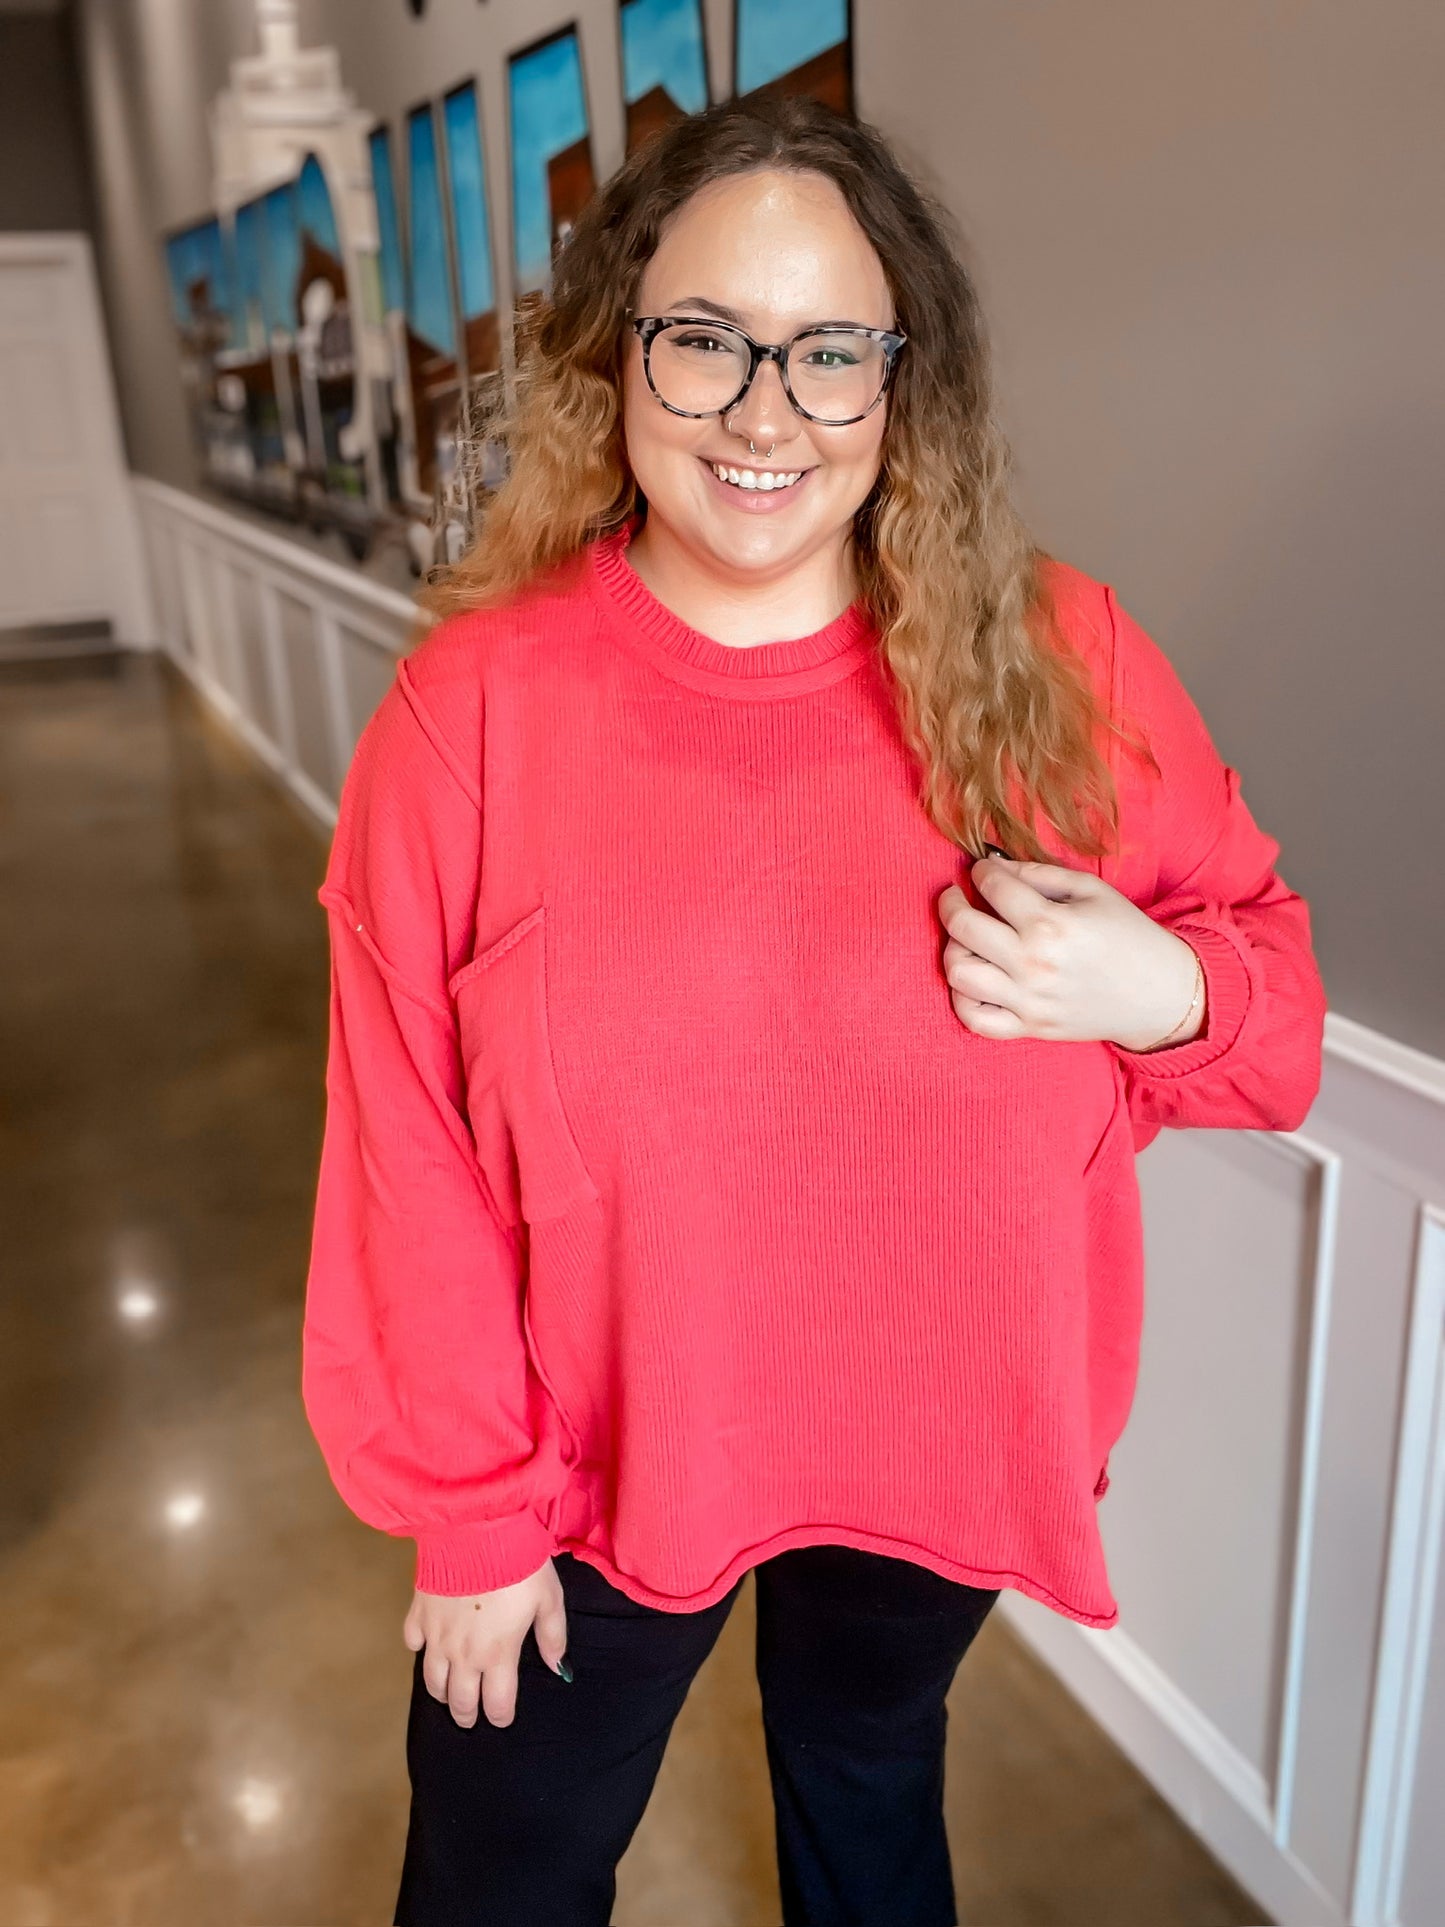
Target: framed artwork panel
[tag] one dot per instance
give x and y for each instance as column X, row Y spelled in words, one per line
column 664, row 63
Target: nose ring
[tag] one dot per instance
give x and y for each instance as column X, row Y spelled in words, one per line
column 751, row 449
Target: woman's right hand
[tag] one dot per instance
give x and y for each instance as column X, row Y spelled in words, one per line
column 473, row 1643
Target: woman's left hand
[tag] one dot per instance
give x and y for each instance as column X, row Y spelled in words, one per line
column 1067, row 957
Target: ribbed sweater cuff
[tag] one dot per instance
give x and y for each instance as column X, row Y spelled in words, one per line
column 478, row 1558
column 1227, row 991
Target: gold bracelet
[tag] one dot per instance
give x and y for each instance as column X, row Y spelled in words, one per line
column 1193, row 1005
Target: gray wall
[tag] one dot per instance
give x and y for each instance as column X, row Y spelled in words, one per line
column 44, row 170
column 1202, row 240
column 1208, row 244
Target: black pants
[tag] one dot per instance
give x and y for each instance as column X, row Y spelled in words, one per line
column 523, row 1825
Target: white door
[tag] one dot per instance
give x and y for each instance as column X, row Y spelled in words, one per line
column 69, row 538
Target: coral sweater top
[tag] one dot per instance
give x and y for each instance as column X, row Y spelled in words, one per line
column 667, row 1214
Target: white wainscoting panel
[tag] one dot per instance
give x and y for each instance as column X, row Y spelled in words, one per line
column 293, row 650
column 1400, row 1874
column 1277, row 1504
column 1275, row 1516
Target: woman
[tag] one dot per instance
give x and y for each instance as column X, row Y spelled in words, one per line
column 729, row 1165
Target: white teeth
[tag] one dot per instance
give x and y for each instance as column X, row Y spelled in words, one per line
column 753, row 478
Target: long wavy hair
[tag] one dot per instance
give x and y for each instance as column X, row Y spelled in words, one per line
column 995, row 704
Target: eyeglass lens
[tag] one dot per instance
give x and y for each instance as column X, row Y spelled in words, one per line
column 701, row 368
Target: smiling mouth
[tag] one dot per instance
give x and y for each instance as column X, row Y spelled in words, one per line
column 764, row 480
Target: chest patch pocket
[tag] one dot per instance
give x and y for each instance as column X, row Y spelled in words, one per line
column 524, row 1142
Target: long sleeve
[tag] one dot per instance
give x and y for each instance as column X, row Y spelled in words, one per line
column 415, row 1379
column 1256, row 1065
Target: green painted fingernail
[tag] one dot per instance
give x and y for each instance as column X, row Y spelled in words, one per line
column 565, row 1670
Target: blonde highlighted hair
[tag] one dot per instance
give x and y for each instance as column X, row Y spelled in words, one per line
column 997, row 707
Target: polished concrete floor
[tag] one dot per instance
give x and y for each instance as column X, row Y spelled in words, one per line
column 203, row 1685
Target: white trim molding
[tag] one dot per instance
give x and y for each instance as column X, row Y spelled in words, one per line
column 322, row 674
column 1384, row 1056
column 1339, row 1833
column 1328, row 1165
column 1411, row 1622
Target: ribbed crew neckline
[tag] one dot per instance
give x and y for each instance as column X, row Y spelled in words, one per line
column 763, row 669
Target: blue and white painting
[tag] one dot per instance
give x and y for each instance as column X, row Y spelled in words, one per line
column 429, row 309
column 221, row 300
column 467, row 181
column 383, row 187
column 281, row 260
column 795, row 46
column 199, row 271
column 551, row 161
column 664, row 63
column 250, row 322
column 318, row 217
